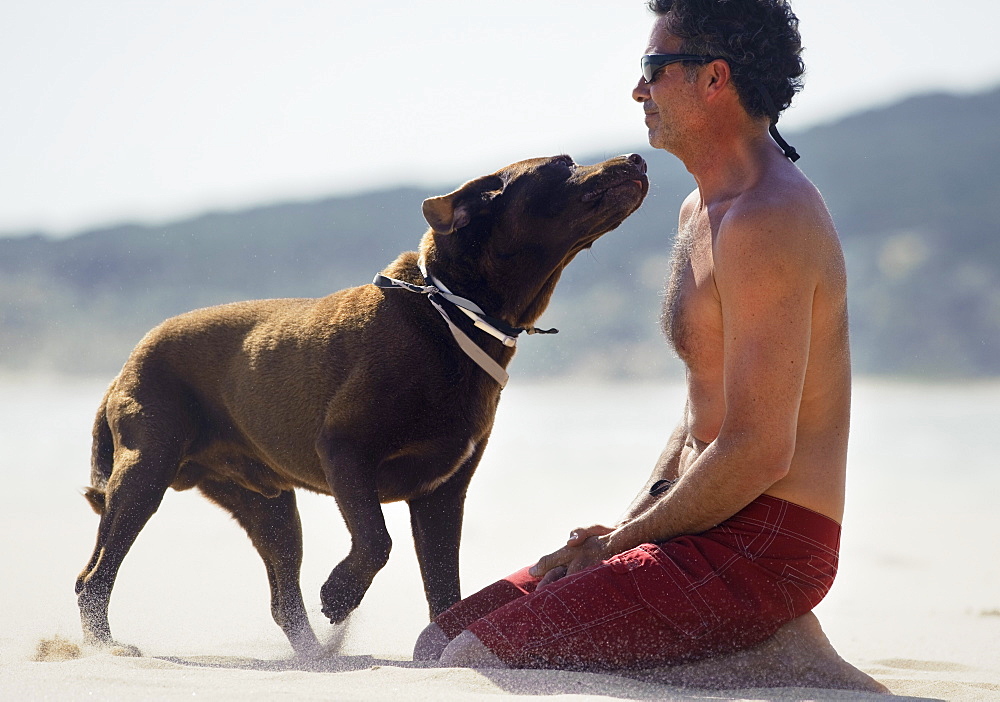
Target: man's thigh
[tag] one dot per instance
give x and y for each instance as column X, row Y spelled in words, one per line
column 651, row 605
column 688, row 598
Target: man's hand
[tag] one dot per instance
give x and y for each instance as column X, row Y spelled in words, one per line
column 581, row 534
column 584, row 548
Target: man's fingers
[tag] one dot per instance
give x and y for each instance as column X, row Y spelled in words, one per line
column 583, row 562
column 553, row 575
column 581, row 534
column 547, row 563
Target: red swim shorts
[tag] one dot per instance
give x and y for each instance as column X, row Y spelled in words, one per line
column 725, row 589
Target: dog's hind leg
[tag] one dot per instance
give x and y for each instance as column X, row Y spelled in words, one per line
column 275, row 530
column 436, row 521
column 146, row 460
column 133, row 494
column 101, row 465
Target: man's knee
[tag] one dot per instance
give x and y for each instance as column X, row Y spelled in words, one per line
column 430, row 644
column 467, row 651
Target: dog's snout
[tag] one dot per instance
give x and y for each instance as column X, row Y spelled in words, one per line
column 637, row 160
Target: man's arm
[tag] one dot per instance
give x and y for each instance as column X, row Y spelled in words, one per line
column 667, row 468
column 664, row 475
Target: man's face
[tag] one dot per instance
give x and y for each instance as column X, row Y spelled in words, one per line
column 665, row 101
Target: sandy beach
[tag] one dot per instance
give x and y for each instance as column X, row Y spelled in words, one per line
column 916, row 604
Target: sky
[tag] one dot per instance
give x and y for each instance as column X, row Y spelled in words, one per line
column 117, row 110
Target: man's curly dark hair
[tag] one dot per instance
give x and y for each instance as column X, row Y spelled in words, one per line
column 758, row 38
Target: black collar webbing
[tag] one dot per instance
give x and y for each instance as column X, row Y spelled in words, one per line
column 790, row 153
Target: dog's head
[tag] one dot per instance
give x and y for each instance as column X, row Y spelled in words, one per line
column 506, row 237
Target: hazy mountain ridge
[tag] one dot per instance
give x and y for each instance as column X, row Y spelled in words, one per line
column 913, row 187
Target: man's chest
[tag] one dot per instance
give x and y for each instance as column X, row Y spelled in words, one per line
column 692, row 314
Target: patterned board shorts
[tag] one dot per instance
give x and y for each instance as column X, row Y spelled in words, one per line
column 722, row 590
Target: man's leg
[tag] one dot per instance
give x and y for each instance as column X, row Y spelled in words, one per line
column 467, row 651
column 430, row 644
column 439, row 633
column 798, row 655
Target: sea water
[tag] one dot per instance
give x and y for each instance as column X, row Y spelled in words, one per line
column 923, row 483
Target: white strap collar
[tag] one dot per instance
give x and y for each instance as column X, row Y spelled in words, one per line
column 471, row 310
column 437, row 291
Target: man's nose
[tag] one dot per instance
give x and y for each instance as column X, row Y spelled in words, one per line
column 640, row 93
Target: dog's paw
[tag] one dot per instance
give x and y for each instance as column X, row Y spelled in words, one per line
column 337, row 610
column 125, row 651
column 340, row 595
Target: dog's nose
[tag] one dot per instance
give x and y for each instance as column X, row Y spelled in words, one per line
column 637, row 160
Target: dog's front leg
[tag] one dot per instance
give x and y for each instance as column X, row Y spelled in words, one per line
column 436, row 521
column 352, row 482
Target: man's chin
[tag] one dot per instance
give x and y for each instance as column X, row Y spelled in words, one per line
column 656, row 140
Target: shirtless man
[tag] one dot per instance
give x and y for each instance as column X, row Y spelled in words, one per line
column 716, row 565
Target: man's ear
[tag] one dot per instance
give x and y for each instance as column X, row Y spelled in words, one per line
column 717, row 76
column 449, row 213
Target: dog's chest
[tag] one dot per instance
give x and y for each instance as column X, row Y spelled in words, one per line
column 440, row 444
column 421, row 468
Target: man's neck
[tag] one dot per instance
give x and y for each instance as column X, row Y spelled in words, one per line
column 725, row 165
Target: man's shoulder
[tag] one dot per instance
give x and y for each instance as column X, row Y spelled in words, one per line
column 690, row 205
column 784, row 211
column 784, row 196
column 783, row 225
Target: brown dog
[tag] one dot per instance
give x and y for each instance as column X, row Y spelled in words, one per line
column 367, row 394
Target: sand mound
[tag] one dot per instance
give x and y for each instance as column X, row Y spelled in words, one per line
column 56, row 649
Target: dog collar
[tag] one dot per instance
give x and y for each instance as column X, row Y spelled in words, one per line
column 442, row 299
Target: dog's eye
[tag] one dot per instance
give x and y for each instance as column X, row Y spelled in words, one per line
column 564, row 161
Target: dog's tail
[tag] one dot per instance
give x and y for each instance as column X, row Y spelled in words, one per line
column 102, row 456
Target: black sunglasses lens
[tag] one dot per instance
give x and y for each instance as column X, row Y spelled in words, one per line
column 649, row 68
column 652, row 63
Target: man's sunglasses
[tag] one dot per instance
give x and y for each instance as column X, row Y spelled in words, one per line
column 652, row 63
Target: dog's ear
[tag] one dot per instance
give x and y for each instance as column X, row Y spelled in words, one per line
column 449, row 213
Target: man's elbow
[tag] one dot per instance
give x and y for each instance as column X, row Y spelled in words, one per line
column 771, row 466
column 776, row 468
column 777, row 459
column 768, row 458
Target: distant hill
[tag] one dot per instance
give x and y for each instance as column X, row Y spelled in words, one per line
column 914, row 189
